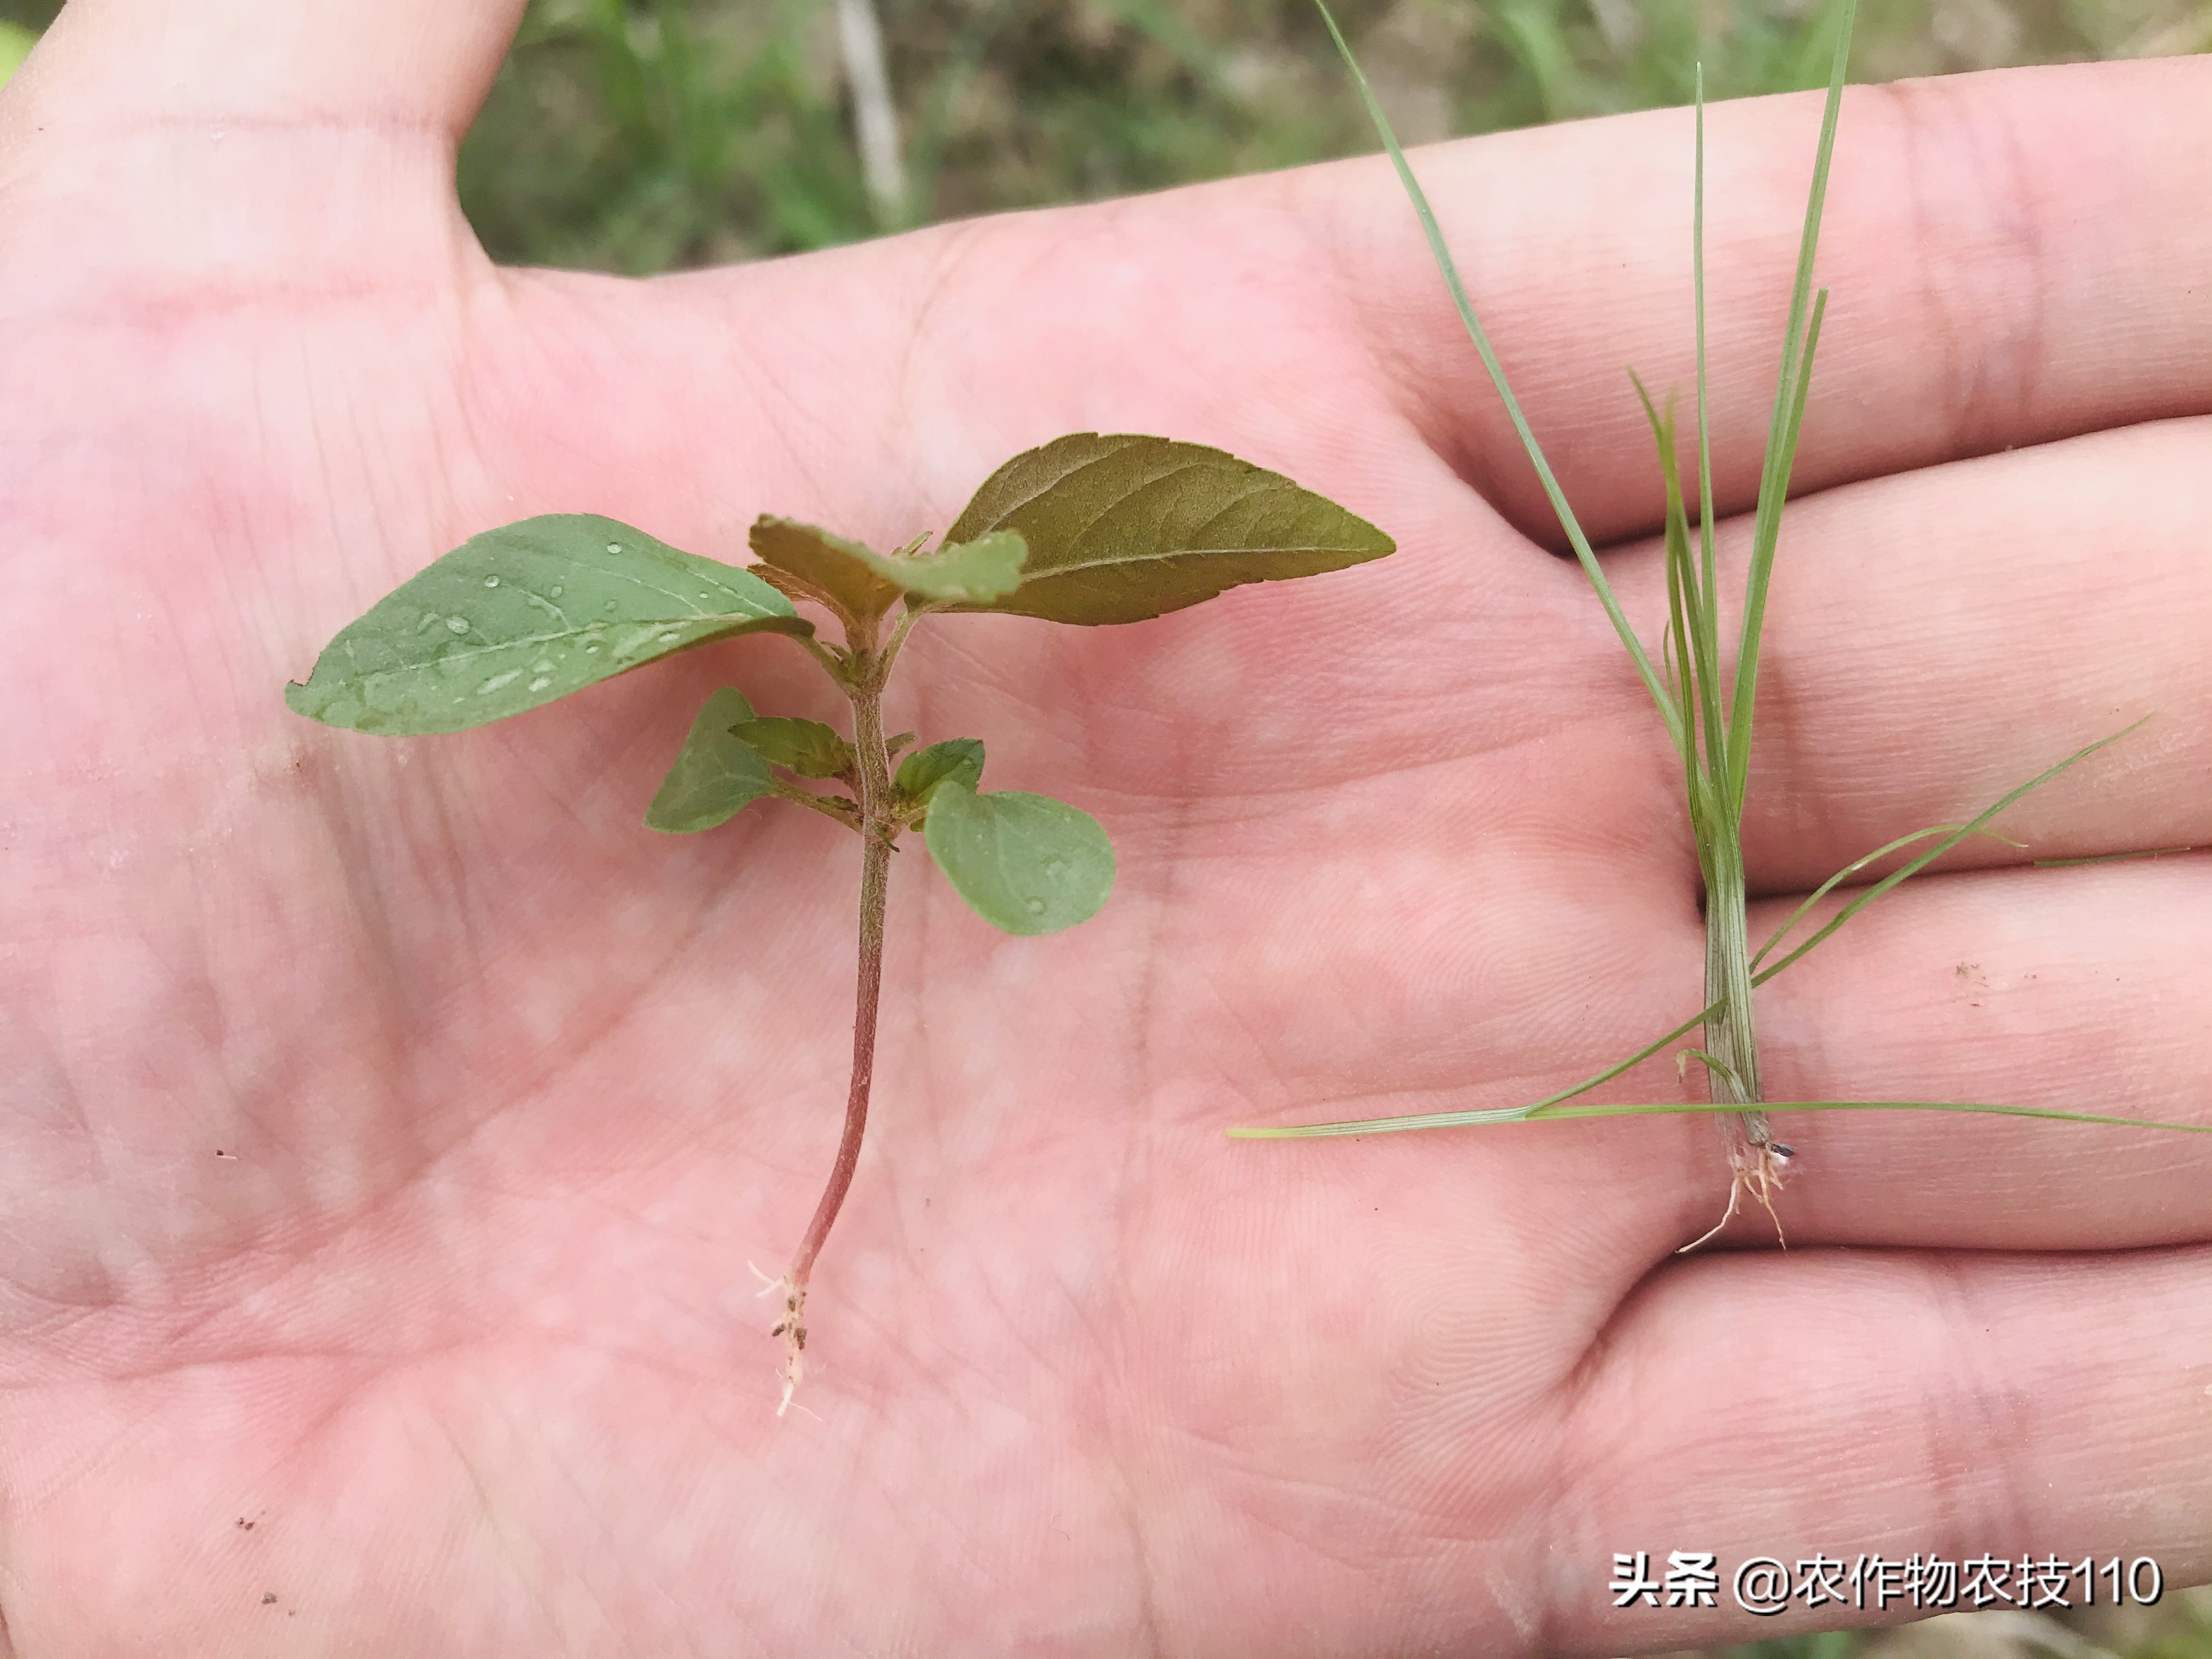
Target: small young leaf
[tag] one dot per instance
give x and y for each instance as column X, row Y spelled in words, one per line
column 519, row 615
column 715, row 775
column 1123, row 527
column 807, row 747
column 838, row 570
column 960, row 759
column 1027, row 864
column 863, row 583
column 979, row 570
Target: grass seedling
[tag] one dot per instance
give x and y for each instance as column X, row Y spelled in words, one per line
column 1086, row 530
column 1709, row 718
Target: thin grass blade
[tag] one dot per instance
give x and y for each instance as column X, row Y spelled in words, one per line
column 1562, row 1113
column 1669, row 1109
column 1547, row 1106
column 1491, row 1115
column 1781, row 451
column 1693, row 616
column 1709, row 643
column 1584, row 552
column 1903, row 872
column 2113, row 858
column 1853, row 868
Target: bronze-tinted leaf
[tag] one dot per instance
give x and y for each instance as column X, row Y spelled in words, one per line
column 837, row 568
column 1122, row 527
column 862, row 582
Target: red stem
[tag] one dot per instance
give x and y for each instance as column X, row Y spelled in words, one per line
column 876, row 831
column 875, row 872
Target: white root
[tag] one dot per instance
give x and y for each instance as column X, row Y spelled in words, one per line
column 1758, row 1169
column 791, row 1327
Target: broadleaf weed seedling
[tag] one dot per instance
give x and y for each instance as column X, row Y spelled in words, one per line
column 1086, row 530
column 1709, row 717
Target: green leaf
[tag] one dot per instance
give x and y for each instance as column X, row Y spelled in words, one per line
column 960, row 759
column 807, row 747
column 1028, row 864
column 715, row 775
column 516, row 617
column 863, row 583
column 1124, row 527
column 977, row 571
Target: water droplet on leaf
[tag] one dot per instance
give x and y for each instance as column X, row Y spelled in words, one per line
column 614, row 547
column 458, row 624
column 541, row 682
column 1036, row 906
column 491, row 582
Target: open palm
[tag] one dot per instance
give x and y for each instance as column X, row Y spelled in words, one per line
column 388, row 1124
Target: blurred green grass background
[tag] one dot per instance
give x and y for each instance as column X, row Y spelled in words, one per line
column 641, row 136
column 638, row 135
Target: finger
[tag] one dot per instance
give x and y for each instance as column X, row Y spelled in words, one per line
column 1843, row 1404
column 164, row 162
column 1936, row 640
column 394, row 65
column 2074, row 990
column 2014, row 256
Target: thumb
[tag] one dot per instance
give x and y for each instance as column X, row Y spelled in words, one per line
column 155, row 150
column 401, row 65
column 160, row 156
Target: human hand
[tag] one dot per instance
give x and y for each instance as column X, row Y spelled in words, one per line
column 389, row 1123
